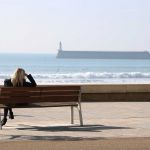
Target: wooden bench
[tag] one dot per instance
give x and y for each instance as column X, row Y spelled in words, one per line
column 42, row 96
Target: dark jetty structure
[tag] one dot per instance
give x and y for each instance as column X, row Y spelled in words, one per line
column 102, row 54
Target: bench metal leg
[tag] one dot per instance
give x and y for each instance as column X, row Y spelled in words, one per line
column 72, row 115
column 80, row 114
column 0, row 121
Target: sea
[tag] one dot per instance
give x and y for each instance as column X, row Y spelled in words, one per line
column 49, row 70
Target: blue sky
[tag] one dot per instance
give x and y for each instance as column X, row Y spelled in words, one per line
column 38, row 25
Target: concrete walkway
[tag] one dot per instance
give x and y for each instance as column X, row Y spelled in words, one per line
column 101, row 121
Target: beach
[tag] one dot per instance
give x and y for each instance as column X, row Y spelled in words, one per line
column 106, row 125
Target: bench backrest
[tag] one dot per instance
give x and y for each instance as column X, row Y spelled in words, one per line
column 57, row 93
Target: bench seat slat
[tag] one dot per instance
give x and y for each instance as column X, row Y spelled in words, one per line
column 13, row 100
column 59, row 92
column 67, row 88
column 38, row 105
column 19, row 89
column 38, row 93
column 62, row 98
column 45, row 104
column 20, row 94
column 8, row 100
column 63, row 87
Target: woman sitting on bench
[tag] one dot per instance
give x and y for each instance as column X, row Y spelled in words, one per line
column 17, row 80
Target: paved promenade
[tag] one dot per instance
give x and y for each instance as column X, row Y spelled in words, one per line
column 101, row 121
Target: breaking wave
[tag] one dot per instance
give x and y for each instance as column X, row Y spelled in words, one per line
column 87, row 77
column 92, row 75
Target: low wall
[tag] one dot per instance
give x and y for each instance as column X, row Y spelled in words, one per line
column 116, row 93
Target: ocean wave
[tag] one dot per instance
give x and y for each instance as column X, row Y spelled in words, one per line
column 87, row 78
column 87, row 75
column 92, row 75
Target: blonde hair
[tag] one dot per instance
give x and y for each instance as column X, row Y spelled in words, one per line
column 18, row 77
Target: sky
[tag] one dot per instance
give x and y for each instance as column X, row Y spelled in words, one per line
column 38, row 26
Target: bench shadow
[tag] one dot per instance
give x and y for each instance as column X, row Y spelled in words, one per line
column 72, row 128
column 75, row 128
column 52, row 138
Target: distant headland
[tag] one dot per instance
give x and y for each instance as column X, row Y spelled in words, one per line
column 101, row 54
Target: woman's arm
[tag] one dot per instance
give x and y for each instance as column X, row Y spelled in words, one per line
column 7, row 83
column 33, row 83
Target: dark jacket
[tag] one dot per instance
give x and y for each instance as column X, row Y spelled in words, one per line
column 32, row 83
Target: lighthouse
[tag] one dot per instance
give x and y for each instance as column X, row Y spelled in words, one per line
column 60, row 46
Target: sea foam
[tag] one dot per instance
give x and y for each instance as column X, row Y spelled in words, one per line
column 87, row 77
